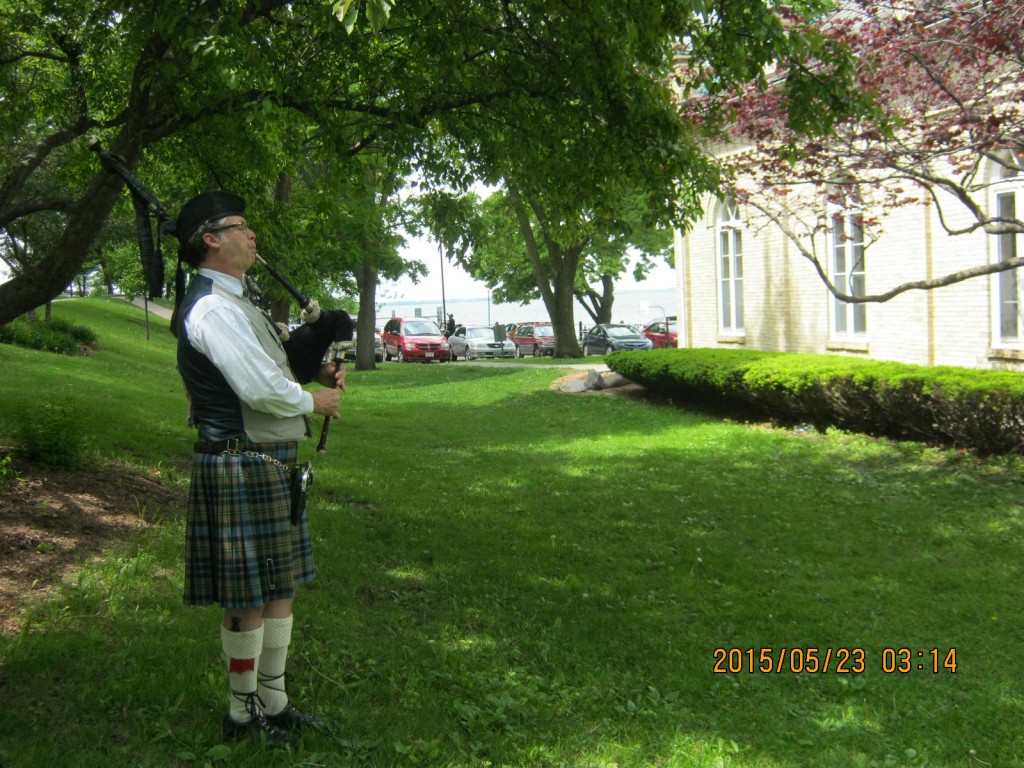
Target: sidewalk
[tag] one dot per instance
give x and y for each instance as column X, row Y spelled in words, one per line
column 155, row 308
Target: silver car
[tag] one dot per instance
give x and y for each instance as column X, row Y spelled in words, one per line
column 378, row 347
column 476, row 341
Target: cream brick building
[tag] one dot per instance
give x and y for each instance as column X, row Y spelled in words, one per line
column 743, row 282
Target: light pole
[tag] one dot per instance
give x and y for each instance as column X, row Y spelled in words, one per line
column 444, row 306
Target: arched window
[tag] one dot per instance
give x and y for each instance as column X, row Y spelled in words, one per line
column 730, row 266
column 1008, row 205
column 847, row 266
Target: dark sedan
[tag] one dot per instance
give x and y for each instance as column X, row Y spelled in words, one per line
column 612, row 337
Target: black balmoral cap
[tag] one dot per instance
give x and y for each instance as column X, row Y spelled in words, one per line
column 202, row 209
column 205, row 208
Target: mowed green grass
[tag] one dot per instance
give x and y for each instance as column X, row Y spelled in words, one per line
column 512, row 576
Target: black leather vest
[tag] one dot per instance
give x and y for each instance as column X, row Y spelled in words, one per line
column 216, row 410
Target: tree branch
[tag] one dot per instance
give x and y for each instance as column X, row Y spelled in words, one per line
column 880, row 298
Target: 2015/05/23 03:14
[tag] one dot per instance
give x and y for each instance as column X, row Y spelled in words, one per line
column 813, row 660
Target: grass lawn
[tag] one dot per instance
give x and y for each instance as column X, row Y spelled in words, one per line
column 512, row 576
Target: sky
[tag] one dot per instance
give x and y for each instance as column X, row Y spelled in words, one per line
column 458, row 284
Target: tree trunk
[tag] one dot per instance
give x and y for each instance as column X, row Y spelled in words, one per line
column 366, row 322
column 281, row 309
column 47, row 278
column 599, row 305
column 562, row 314
column 557, row 288
column 108, row 278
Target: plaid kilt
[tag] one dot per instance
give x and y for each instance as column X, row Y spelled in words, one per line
column 241, row 550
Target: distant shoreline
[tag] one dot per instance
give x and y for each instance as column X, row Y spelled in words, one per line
column 637, row 307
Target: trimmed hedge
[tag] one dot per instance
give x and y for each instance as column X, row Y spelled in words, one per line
column 979, row 410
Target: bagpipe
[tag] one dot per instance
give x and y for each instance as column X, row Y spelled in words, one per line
column 307, row 347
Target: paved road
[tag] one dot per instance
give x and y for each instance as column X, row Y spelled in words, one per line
column 156, row 309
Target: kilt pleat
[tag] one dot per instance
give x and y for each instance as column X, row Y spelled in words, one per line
column 241, row 550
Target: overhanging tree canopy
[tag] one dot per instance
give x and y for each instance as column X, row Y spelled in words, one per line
column 558, row 96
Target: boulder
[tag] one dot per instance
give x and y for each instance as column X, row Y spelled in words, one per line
column 594, row 380
column 611, row 379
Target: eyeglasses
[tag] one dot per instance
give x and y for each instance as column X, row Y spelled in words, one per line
column 242, row 225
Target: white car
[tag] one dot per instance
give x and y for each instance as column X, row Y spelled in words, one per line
column 477, row 341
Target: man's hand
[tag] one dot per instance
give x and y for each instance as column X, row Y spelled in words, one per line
column 331, row 376
column 326, row 402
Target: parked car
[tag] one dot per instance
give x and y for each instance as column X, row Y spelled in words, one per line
column 378, row 346
column 659, row 332
column 612, row 337
column 535, row 339
column 414, row 339
column 475, row 341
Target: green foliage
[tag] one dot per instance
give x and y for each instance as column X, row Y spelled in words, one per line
column 569, row 104
column 52, row 435
column 8, row 474
column 377, row 13
column 978, row 410
column 58, row 336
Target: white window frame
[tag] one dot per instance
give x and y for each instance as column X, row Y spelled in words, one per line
column 729, row 248
column 1007, row 196
column 847, row 268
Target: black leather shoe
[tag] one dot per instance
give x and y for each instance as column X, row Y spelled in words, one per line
column 292, row 719
column 258, row 729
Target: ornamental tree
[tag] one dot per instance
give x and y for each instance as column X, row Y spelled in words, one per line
column 947, row 78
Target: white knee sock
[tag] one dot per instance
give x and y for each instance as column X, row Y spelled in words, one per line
column 242, row 650
column 277, row 636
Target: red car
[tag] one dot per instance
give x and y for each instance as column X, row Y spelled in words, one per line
column 414, row 339
column 535, row 339
column 658, row 331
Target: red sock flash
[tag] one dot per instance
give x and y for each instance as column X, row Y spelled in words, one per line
column 241, row 666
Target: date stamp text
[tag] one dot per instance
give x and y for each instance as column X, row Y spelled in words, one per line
column 839, row 660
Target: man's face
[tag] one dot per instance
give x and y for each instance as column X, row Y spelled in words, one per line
column 231, row 247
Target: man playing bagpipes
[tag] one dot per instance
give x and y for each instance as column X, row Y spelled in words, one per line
column 247, row 540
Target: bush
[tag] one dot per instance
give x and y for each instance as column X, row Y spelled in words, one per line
column 8, row 474
column 53, row 437
column 59, row 336
column 979, row 410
